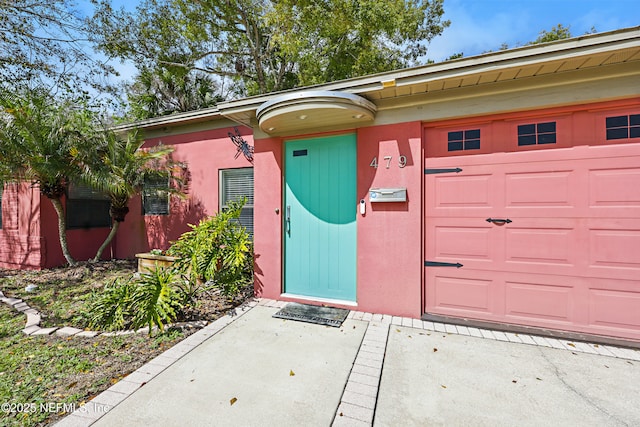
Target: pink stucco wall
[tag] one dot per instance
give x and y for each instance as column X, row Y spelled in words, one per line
column 389, row 234
column 29, row 237
column 21, row 245
column 389, row 242
column 83, row 243
column 267, row 175
column 204, row 153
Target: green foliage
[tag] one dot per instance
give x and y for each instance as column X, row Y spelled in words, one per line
column 44, row 370
column 267, row 46
column 40, row 136
column 151, row 300
column 218, row 250
column 559, row 32
column 40, row 140
column 168, row 89
column 155, row 299
column 117, row 166
column 41, row 41
column 112, row 308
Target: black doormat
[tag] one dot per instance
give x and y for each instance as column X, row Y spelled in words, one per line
column 329, row 316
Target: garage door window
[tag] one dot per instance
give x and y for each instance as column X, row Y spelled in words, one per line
column 464, row 140
column 537, row 133
column 623, row 127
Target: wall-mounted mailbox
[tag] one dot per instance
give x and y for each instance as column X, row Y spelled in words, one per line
column 388, row 195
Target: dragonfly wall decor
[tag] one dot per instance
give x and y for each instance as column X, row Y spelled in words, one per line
column 243, row 146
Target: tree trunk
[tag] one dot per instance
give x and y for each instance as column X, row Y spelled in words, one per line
column 108, row 240
column 62, row 230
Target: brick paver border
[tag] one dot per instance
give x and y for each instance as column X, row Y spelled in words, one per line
column 358, row 401
column 32, row 324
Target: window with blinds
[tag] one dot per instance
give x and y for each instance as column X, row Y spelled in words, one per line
column 87, row 207
column 155, row 195
column 234, row 185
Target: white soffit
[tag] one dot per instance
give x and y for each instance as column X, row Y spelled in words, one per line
column 306, row 110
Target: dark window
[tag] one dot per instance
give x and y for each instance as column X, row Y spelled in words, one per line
column 464, row 140
column 87, row 208
column 623, row 127
column 155, row 195
column 537, row 133
column 236, row 184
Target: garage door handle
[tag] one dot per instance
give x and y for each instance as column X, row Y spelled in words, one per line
column 499, row 221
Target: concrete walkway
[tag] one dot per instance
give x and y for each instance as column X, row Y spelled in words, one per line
column 254, row 370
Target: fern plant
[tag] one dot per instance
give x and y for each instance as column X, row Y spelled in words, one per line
column 155, row 301
column 218, row 250
column 111, row 310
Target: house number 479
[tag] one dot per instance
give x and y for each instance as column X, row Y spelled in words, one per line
column 402, row 161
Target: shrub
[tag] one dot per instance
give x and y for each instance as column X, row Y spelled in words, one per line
column 218, row 251
column 111, row 309
column 124, row 304
column 155, row 300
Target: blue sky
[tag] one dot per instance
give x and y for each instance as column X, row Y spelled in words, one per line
column 481, row 25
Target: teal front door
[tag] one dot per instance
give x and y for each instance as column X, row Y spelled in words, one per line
column 320, row 217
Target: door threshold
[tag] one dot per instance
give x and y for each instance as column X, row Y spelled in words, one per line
column 322, row 300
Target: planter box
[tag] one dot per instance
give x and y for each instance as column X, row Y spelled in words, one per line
column 148, row 262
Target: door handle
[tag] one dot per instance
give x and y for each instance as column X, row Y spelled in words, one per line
column 288, row 220
column 499, row 221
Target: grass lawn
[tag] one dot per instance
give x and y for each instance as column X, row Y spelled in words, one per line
column 39, row 375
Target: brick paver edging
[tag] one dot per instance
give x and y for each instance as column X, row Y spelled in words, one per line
column 32, row 325
column 358, row 402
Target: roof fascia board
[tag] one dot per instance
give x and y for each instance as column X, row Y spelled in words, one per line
column 493, row 61
column 522, row 56
column 172, row 119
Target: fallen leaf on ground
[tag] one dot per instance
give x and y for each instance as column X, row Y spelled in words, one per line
column 571, row 344
column 443, row 386
column 291, row 373
column 233, row 400
column 539, row 379
column 514, row 381
column 435, row 349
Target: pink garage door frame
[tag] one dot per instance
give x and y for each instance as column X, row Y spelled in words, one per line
column 568, row 260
